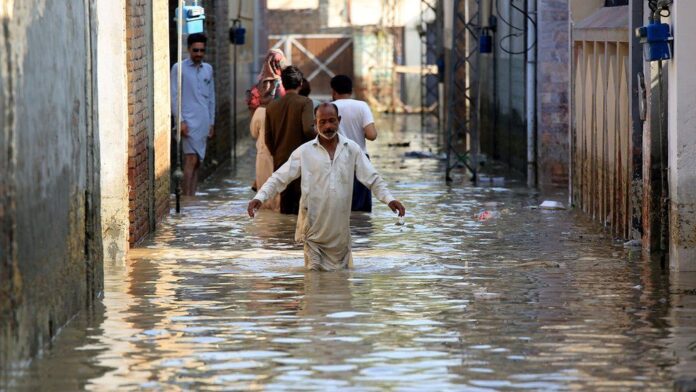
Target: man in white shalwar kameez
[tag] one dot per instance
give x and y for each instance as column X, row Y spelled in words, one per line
column 327, row 165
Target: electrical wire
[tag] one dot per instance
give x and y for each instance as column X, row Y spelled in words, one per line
column 520, row 30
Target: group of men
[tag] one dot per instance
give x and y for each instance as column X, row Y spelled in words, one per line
column 320, row 162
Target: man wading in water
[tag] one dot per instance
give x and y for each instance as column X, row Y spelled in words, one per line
column 327, row 165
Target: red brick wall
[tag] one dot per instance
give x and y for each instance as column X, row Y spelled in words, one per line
column 307, row 21
column 138, row 118
column 148, row 179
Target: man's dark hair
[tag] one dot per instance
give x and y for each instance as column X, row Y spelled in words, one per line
column 324, row 104
column 291, row 77
column 306, row 88
column 196, row 37
column 342, row 84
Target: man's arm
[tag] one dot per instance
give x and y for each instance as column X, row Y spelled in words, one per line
column 308, row 120
column 211, row 99
column 368, row 123
column 277, row 183
column 368, row 176
column 370, row 132
column 173, row 84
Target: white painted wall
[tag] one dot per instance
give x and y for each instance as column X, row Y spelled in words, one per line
column 682, row 139
column 113, row 126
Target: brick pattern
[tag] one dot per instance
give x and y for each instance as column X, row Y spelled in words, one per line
column 303, row 21
column 553, row 75
column 218, row 55
column 138, row 57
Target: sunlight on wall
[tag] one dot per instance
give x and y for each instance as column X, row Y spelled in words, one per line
column 292, row 4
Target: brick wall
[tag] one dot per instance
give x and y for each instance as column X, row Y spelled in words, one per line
column 307, row 21
column 553, row 75
column 139, row 55
column 148, row 115
column 218, row 55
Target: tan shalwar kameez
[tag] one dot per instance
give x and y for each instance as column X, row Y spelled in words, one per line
column 323, row 223
column 264, row 159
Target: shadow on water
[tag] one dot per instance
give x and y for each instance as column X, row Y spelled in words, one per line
column 530, row 299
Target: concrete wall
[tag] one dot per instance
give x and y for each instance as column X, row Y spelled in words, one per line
column 682, row 140
column 113, row 126
column 553, row 92
column 50, row 190
column 161, row 108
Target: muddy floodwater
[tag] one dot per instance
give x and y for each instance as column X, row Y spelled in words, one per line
column 523, row 299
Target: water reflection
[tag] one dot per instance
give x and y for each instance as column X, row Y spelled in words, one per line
column 531, row 299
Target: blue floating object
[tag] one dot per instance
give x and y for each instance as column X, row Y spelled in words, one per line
column 656, row 38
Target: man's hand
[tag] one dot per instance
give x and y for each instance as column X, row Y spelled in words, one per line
column 184, row 129
column 396, row 205
column 253, row 206
column 211, row 132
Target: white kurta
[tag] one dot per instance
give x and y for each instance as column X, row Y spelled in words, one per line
column 323, row 223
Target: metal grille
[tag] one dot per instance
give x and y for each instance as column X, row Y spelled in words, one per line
column 462, row 136
column 430, row 95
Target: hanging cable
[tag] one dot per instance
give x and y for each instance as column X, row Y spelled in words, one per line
column 520, row 31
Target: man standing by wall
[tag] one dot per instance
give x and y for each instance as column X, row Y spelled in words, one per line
column 289, row 124
column 197, row 108
column 357, row 124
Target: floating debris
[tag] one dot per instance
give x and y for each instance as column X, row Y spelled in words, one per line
column 552, row 205
column 487, row 215
column 633, row 244
column 424, row 155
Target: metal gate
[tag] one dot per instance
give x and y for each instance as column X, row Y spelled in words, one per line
column 319, row 56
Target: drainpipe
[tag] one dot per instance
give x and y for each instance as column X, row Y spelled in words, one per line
column 486, row 7
column 531, row 93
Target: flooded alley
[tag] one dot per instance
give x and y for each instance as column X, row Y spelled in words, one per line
column 528, row 299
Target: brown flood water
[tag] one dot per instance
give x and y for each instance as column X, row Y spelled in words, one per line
column 531, row 299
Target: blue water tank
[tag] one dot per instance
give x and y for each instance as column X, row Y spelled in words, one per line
column 194, row 16
column 656, row 38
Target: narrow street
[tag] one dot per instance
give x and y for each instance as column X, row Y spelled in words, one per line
column 530, row 299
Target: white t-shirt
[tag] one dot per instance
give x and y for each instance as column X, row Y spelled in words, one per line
column 355, row 116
